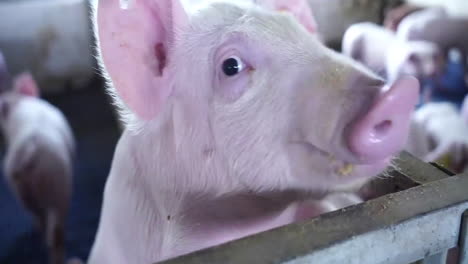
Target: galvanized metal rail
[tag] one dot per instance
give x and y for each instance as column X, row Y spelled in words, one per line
column 420, row 222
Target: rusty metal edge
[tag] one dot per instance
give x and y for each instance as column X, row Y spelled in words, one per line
column 416, row 170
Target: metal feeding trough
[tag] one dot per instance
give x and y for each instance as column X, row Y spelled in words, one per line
column 420, row 214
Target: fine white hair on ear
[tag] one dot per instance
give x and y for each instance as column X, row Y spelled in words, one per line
column 129, row 120
column 141, row 91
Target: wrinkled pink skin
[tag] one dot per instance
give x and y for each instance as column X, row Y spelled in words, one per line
column 38, row 161
column 379, row 49
column 208, row 158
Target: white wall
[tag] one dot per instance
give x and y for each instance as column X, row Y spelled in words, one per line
column 51, row 38
column 456, row 7
column 335, row 16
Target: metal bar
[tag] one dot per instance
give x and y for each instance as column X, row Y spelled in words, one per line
column 440, row 258
column 463, row 243
column 417, row 170
column 397, row 228
column 406, row 172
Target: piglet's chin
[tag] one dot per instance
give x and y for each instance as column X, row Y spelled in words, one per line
column 371, row 170
column 360, row 175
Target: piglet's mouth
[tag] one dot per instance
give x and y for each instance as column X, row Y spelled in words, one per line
column 342, row 167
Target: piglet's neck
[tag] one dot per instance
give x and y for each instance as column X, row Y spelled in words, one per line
column 174, row 153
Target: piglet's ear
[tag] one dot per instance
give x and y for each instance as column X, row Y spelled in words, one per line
column 26, row 85
column 298, row 8
column 135, row 40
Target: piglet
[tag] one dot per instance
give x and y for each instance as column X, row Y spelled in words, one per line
column 368, row 43
column 421, row 59
column 238, row 120
column 380, row 50
column 442, row 133
column 38, row 161
column 437, row 27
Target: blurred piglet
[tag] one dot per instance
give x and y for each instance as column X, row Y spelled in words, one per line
column 379, row 49
column 238, row 120
column 434, row 25
column 439, row 134
column 369, row 44
column 38, row 162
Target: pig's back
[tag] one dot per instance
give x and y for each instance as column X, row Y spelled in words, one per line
column 40, row 175
column 37, row 118
column 38, row 163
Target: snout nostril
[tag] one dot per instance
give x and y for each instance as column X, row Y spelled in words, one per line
column 383, row 127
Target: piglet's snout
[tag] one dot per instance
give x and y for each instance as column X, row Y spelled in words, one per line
column 383, row 130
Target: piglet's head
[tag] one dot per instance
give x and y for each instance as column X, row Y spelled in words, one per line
column 420, row 59
column 24, row 86
column 275, row 106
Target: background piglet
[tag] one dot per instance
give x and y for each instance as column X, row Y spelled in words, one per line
column 439, row 134
column 436, row 26
column 447, row 32
column 368, row 43
column 380, row 50
column 38, row 161
column 421, row 59
column 229, row 129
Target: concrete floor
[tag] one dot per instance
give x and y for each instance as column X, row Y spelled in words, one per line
column 93, row 121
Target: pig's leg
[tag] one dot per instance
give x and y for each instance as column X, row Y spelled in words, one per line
column 55, row 237
column 48, row 222
column 41, row 193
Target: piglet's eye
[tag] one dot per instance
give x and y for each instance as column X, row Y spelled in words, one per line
column 232, row 66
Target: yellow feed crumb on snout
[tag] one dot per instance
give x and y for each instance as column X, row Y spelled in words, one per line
column 346, row 169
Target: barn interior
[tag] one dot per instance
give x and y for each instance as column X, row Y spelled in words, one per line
column 53, row 40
